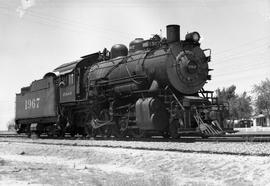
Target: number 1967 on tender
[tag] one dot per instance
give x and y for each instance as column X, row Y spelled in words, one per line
column 31, row 103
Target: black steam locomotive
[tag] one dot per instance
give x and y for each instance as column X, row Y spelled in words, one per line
column 154, row 87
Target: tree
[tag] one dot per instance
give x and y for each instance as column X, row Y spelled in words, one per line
column 239, row 105
column 228, row 95
column 262, row 97
column 11, row 125
column 243, row 105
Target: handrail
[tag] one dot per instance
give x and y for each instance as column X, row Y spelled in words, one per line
column 177, row 100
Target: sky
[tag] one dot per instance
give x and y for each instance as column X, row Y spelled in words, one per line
column 36, row 36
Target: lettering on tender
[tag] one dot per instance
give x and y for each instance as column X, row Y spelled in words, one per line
column 31, row 103
column 67, row 94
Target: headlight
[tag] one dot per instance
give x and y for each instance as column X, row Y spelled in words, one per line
column 193, row 36
column 196, row 36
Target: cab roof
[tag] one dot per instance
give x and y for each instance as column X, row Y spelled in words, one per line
column 83, row 61
column 67, row 67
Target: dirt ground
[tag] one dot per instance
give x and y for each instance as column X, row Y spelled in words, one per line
column 29, row 164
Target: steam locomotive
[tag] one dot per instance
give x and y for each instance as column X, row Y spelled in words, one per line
column 154, row 87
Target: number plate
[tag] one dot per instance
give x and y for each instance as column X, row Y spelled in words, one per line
column 31, row 103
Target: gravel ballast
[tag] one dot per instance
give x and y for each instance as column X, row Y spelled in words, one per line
column 234, row 148
column 40, row 164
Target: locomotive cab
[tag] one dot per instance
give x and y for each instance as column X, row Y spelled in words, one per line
column 67, row 81
column 71, row 78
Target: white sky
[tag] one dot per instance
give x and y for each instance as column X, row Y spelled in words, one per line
column 37, row 36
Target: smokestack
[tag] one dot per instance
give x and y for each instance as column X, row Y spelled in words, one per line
column 173, row 33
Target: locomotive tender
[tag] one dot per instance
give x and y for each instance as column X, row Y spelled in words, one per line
column 154, row 87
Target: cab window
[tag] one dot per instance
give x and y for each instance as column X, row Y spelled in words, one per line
column 67, row 80
column 63, row 81
column 71, row 79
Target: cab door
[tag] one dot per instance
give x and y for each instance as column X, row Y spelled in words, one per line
column 80, row 83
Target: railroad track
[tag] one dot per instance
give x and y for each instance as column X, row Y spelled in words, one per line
column 7, row 134
column 182, row 145
column 224, row 138
column 179, row 146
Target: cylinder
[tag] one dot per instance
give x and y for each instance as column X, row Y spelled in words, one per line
column 173, row 33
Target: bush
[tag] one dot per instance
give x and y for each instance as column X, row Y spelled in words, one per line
column 11, row 125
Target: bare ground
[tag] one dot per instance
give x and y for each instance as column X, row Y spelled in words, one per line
column 33, row 164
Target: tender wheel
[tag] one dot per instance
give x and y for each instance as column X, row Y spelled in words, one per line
column 50, row 134
column 58, row 134
column 73, row 132
column 166, row 135
column 137, row 133
column 52, row 131
column 173, row 129
column 27, row 131
column 35, row 134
